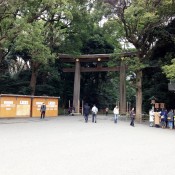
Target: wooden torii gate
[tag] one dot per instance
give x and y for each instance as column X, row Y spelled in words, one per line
column 98, row 58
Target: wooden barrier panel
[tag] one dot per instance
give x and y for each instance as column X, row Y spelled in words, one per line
column 15, row 106
column 36, row 105
column 12, row 105
column 51, row 106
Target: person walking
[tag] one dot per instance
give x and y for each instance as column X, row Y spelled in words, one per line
column 163, row 116
column 43, row 110
column 170, row 119
column 94, row 113
column 116, row 113
column 106, row 110
column 132, row 116
column 86, row 111
column 151, row 118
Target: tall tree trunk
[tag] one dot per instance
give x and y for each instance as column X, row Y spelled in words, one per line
column 138, row 95
column 35, row 67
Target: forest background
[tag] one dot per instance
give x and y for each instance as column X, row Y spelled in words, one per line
column 34, row 33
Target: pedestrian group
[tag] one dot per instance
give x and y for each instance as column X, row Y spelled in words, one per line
column 163, row 118
column 94, row 111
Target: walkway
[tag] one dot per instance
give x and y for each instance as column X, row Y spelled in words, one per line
column 68, row 146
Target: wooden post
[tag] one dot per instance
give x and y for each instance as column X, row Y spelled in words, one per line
column 76, row 95
column 122, row 88
column 118, row 103
column 127, row 106
column 78, row 106
column 82, row 107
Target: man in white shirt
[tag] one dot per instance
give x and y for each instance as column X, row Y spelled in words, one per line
column 94, row 114
column 116, row 113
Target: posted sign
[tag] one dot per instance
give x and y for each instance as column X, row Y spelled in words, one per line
column 8, row 107
column 23, row 107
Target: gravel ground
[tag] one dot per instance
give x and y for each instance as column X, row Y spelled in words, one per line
column 67, row 146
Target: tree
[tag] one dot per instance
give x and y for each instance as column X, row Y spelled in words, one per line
column 43, row 25
column 32, row 40
column 139, row 19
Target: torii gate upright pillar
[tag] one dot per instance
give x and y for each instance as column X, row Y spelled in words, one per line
column 76, row 95
column 122, row 88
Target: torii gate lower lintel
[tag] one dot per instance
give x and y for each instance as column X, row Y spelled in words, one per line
column 95, row 58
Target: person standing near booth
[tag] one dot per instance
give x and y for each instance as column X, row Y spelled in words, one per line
column 43, row 110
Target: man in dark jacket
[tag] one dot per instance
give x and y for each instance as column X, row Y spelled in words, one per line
column 163, row 115
column 170, row 119
column 86, row 111
column 43, row 110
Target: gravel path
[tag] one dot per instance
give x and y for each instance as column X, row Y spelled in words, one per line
column 67, row 146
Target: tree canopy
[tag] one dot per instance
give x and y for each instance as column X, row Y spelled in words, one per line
column 34, row 33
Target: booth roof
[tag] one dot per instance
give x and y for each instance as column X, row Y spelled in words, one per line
column 31, row 96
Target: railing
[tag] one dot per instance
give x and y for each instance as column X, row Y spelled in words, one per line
column 143, row 118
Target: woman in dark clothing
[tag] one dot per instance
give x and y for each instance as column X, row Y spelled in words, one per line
column 163, row 116
column 132, row 116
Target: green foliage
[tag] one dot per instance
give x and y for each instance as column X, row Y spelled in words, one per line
column 112, row 35
column 39, row 30
column 134, row 64
column 31, row 39
column 156, row 84
column 170, row 70
column 109, row 91
column 97, row 45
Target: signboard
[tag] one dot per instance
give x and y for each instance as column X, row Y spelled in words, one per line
column 153, row 101
column 36, row 105
column 156, row 105
column 52, row 107
column 162, row 105
column 8, row 107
